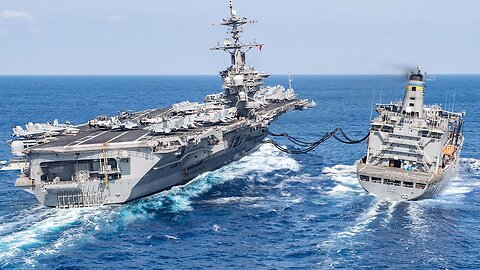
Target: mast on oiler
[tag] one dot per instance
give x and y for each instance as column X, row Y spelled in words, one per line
column 290, row 81
column 240, row 82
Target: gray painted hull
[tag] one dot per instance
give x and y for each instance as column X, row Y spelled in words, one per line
column 160, row 177
column 114, row 160
column 401, row 192
column 158, row 180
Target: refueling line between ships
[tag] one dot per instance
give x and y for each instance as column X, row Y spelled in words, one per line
column 412, row 150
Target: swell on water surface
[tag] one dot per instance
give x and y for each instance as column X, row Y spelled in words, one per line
column 266, row 160
column 378, row 215
column 264, row 211
column 345, row 180
column 27, row 234
column 42, row 231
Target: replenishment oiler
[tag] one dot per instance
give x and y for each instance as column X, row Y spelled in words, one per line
column 413, row 149
column 114, row 160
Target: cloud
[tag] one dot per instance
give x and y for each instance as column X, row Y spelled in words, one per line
column 114, row 19
column 17, row 15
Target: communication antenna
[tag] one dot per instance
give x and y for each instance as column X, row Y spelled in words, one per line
column 371, row 109
column 232, row 11
column 453, row 101
column 381, row 91
column 446, row 101
column 289, row 81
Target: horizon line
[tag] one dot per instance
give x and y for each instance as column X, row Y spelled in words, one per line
column 200, row 74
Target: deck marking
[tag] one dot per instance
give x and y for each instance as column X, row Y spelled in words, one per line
column 116, row 137
column 79, row 140
column 141, row 137
column 92, row 137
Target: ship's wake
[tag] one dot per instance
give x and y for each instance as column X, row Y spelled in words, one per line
column 465, row 182
column 345, row 239
column 418, row 218
column 179, row 199
column 345, row 180
column 42, row 231
column 28, row 234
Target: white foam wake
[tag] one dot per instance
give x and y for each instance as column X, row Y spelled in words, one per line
column 380, row 210
column 418, row 225
column 466, row 181
column 38, row 231
column 362, row 222
column 471, row 165
column 228, row 200
column 43, row 232
column 16, row 221
column 266, row 160
column 392, row 206
column 345, row 177
column 345, row 238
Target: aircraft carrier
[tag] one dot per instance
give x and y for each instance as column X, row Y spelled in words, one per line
column 413, row 149
column 114, row 160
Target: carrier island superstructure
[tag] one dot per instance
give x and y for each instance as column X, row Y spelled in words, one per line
column 413, row 149
column 114, row 160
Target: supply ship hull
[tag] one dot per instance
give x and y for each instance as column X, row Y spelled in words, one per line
column 402, row 185
column 413, row 149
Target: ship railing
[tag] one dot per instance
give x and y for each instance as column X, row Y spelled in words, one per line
column 80, row 199
column 382, row 160
column 139, row 154
column 19, row 162
column 391, row 118
column 15, row 165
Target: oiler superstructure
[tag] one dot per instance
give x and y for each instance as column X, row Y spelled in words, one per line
column 413, row 149
column 113, row 160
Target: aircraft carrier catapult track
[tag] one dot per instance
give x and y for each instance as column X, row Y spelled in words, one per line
column 113, row 160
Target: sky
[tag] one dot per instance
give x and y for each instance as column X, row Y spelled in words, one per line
column 118, row 37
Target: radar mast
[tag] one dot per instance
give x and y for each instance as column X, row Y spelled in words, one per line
column 240, row 82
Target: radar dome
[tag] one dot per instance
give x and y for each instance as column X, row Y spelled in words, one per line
column 17, row 148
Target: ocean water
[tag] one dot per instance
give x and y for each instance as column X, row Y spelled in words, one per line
column 268, row 210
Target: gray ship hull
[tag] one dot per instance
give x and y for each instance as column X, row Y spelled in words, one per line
column 401, row 185
column 114, row 160
column 159, row 177
column 413, row 149
column 158, row 180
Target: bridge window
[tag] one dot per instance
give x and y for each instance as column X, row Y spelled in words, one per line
column 420, row 186
column 436, row 135
column 388, row 129
column 388, row 182
column 408, row 184
column 376, row 180
column 364, row 178
column 414, row 88
column 423, row 133
column 395, row 163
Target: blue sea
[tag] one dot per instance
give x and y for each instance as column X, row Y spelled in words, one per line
column 269, row 210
